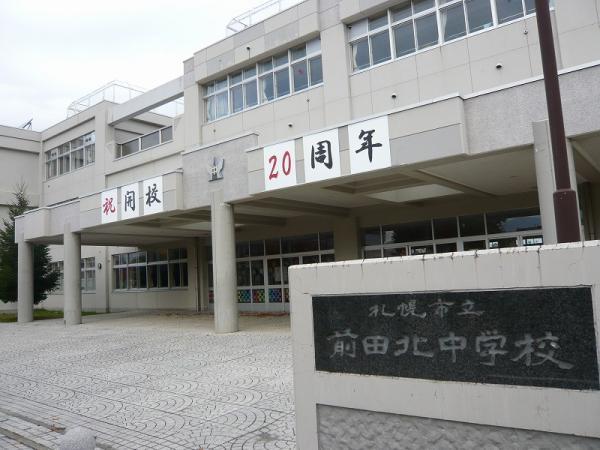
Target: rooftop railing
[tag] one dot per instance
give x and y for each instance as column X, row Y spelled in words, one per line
column 144, row 142
column 120, row 92
column 258, row 14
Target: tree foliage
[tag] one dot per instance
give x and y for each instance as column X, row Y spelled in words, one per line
column 45, row 280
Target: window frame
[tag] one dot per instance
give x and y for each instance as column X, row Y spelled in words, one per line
column 436, row 10
column 210, row 91
column 161, row 140
column 323, row 252
column 59, row 267
column 88, row 266
column 181, row 261
column 460, row 239
column 67, row 151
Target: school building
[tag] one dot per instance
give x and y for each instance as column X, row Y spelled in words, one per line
column 333, row 130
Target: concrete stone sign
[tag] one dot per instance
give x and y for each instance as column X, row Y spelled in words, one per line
column 321, row 156
column 153, row 196
column 130, row 197
column 530, row 337
column 280, row 165
column 109, row 206
column 369, row 145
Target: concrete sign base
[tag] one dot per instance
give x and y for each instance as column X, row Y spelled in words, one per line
column 378, row 330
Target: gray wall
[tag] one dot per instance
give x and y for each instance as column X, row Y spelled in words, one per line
column 464, row 66
column 351, row 429
column 19, row 154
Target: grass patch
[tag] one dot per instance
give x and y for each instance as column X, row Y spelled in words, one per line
column 39, row 314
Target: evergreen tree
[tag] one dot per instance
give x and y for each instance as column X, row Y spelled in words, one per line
column 45, row 280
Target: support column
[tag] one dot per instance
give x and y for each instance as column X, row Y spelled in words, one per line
column 544, row 168
column 346, row 239
column 224, row 268
column 587, row 211
column 25, row 282
column 72, row 277
column 595, row 200
column 193, row 105
column 203, row 275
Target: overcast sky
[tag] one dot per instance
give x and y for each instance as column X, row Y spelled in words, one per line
column 55, row 51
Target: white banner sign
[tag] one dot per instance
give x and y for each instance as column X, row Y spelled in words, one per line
column 108, row 206
column 369, row 145
column 280, row 165
column 153, row 196
column 130, row 198
column 321, row 156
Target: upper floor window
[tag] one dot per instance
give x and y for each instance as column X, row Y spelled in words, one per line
column 71, row 156
column 291, row 71
column 418, row 24
column 144, row 142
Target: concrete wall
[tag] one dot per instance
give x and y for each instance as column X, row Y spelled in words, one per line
column 464, row 66
column 345, row 429
column 105, row 298
column 171, row 299
column 563, row 411
column 196, row 178
column 91, row 301
column 95, row 177
column 19, row 153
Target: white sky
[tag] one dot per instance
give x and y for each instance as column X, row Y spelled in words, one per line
column 55, row 51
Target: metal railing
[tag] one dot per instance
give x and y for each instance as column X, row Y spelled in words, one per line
column 144, row 142
column 258, row 14
column 120, row 92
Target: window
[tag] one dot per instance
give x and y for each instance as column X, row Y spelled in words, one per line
column 71, row 156
column 371, row 236
column 511, row 221
column 158, row 269
column 413, row 26
column 509, row 10
column 472, row 232
column 445, row 228
column 275, row 77
column 262, row 265
column 404, row 39
column 145, row 142
column 178, row 268
column 88, row 274
column 154, row 269
column 479, row 15
column 453, row 21
column 407, row 232
column 58, row 267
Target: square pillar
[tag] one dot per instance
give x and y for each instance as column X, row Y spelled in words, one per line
column 546, row 182
column 202, row 275
column 224, row 264
column 25, row 282
column 595, row 209
column 72, row 277
column 346, row 239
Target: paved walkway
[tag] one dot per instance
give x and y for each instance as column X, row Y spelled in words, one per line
column 162, row 381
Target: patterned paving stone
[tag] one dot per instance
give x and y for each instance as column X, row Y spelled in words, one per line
column 155, row 381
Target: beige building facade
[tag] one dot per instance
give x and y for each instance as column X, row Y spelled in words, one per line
column 333, row 130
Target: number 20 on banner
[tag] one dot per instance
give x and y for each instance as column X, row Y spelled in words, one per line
column 280, row 165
